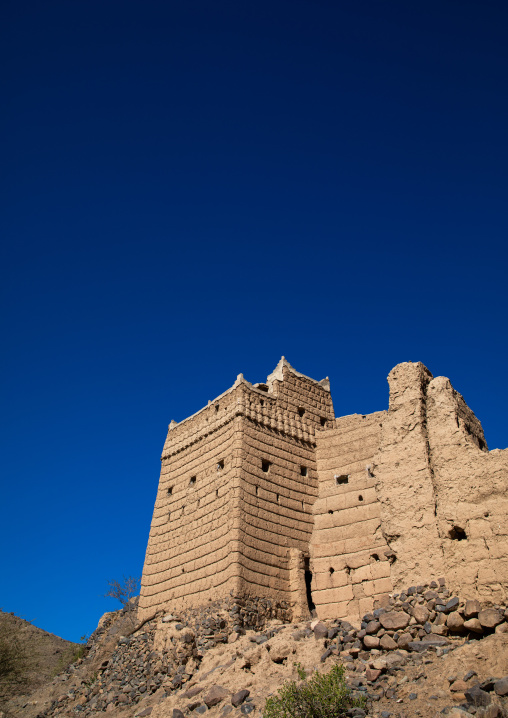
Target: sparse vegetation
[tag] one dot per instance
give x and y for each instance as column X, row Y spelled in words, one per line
column 13, row 659
column 123, row 591
column 325, row 695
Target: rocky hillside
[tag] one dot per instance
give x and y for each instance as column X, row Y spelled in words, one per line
column 29, row 656
column 426, row 653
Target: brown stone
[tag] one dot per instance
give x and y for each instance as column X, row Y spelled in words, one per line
column 320, row 630
column 472, row 608
column 371, row 674
column 454, row 621
column 458, row 686
column 191, row 692
column 387, row 643
column 439, row 630
column 372, row 627
column 421, row 614
column 371, row 641
column 490, row 617
column 473, row 624
column 501, row 686
column 404, row 640
column 492, row 711
column 238, row 698
column 215, row 695
column 394, row 620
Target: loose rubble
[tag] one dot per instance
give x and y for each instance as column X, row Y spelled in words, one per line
column 207, row 661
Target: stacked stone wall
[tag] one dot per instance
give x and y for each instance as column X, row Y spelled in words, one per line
column 349, row 564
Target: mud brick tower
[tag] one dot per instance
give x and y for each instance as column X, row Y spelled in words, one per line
column 233, row 512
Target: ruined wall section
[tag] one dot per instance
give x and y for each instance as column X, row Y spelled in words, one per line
column 193, row 549
column 405, row 480
column 279, row 485
column 350, row 568
column 472, row 496
column 444, row 496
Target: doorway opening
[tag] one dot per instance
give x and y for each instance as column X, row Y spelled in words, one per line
column 308, row 583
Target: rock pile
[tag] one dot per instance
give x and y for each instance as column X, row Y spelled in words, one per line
column 162, row 660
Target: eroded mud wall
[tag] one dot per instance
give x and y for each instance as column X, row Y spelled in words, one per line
column 472, row 496
column 443, row 495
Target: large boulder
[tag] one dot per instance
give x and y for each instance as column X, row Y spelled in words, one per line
column 394, row 620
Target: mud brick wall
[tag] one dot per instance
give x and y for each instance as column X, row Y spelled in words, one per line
column 349, row 564
column 192, row 553
column 443, row 495
column 472, row 497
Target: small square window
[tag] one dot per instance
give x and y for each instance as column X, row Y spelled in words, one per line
column 265, row 465
column 303, row 470
column 220, row 465
column 301, row 411
column 341, row 479
column 192, row 480
column 170, row 490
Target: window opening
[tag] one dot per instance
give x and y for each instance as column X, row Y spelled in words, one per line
column 257, row 490
column 360, row 498
column 323, row 421
column 265, row 465
column 262, row 402
column 216, row 492
column 192, row 480
column 220, row 465
column 301, row 411
column 457, row 534
column 341, row 479
column 331, row 570
column 217, row 407
column 170, row 490
column 278, row 498
column 375, row 557
column 303, row 470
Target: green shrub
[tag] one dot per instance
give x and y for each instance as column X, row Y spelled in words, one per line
column 325, row 695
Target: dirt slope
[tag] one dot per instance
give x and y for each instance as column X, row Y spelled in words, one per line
column 35, row 655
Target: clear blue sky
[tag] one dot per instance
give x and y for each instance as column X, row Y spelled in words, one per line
column 190, row 190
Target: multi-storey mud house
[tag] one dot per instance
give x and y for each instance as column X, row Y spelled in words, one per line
column 265, row 494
